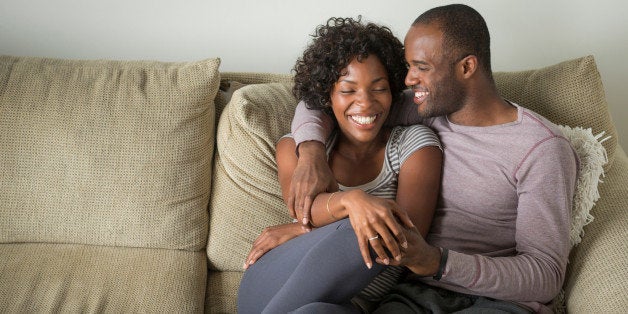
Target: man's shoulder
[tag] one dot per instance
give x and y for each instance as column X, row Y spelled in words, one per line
column 534, row 122
column 543, row 135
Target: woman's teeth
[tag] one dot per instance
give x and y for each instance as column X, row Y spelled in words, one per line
column 363, row 119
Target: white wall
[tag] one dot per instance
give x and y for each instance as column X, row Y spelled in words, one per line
column 268, row 35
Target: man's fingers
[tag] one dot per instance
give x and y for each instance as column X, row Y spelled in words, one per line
column 307, row 207
column 290, row 203
column 298, row 203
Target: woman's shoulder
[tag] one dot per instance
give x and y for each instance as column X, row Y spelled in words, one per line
column 414, row 130
column 413, row 137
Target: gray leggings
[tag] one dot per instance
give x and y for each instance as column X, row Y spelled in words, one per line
column 317, row 272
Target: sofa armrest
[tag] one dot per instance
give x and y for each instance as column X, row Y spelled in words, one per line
column 599, row 264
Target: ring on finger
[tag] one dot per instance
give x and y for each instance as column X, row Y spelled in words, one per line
column 374, row 237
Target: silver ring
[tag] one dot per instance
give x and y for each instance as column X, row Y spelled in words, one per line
column 374, row 237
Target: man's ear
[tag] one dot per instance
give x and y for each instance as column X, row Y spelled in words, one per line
column 468, row 65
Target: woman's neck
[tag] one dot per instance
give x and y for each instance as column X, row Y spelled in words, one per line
column 357, row 151
column 356, row 163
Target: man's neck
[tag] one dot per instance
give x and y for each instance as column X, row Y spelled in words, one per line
column 483, row 106
column 485, row 114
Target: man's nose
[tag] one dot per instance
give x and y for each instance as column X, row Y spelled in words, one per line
column 412, row 78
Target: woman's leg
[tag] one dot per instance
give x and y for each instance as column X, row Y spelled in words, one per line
column 324, row 265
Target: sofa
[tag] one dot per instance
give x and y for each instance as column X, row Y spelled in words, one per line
column 139, row 186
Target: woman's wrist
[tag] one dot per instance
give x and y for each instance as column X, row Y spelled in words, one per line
column 345, row 199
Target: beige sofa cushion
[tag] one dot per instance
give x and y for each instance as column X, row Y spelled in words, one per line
column 106, row 152
column 246, row 195
column 71, row 278
column 568, row 93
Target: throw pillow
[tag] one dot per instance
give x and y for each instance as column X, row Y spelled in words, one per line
column 592, row 157
column 246, row 196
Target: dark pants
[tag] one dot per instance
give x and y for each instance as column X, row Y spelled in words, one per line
column 418, row 298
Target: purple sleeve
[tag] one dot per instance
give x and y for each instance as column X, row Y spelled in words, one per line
column 310, row 125
column 545, row 183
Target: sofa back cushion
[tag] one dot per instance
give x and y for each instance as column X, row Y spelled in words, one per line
column 115, row 153
column 246, row 196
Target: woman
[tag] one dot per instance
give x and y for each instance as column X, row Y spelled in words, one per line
column 355, row 73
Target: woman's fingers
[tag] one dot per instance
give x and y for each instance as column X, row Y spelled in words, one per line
column 270, row 238
column 389, row 245
column 396, row 237
column 368, row 237
column 255, row 253
column 376, row 242
column 364, row 250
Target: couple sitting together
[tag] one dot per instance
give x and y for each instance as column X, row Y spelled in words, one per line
column 415, row 187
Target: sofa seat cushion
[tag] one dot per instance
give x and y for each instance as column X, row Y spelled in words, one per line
column 222, row 291
column 115, row 153
column 66, row 278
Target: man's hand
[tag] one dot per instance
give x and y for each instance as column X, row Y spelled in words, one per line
column 311, row 177
column 270, row 238
column 420, row 257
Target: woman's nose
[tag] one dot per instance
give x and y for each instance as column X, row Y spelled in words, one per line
column 365, row 98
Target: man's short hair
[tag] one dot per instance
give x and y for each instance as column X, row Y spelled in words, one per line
column 464, row 32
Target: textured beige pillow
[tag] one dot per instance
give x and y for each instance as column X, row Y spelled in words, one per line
column 567, row 93
column 115, row 153
column 246, row 195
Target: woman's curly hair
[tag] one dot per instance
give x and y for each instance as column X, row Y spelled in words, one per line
column 334, row 45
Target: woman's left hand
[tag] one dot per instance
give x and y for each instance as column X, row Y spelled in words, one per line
column 272, row 237
column 377, row 223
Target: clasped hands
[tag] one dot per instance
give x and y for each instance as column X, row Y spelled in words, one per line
column 372, row 216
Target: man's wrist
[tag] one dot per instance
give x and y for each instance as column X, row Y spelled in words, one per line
column 431, row 262
column 311, row 149
column 444, row 254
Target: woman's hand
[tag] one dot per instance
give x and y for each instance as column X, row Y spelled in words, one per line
column 270, row 238
column 311, row 176
column 376, row 222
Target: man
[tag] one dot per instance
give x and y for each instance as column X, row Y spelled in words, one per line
column 501, row 228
